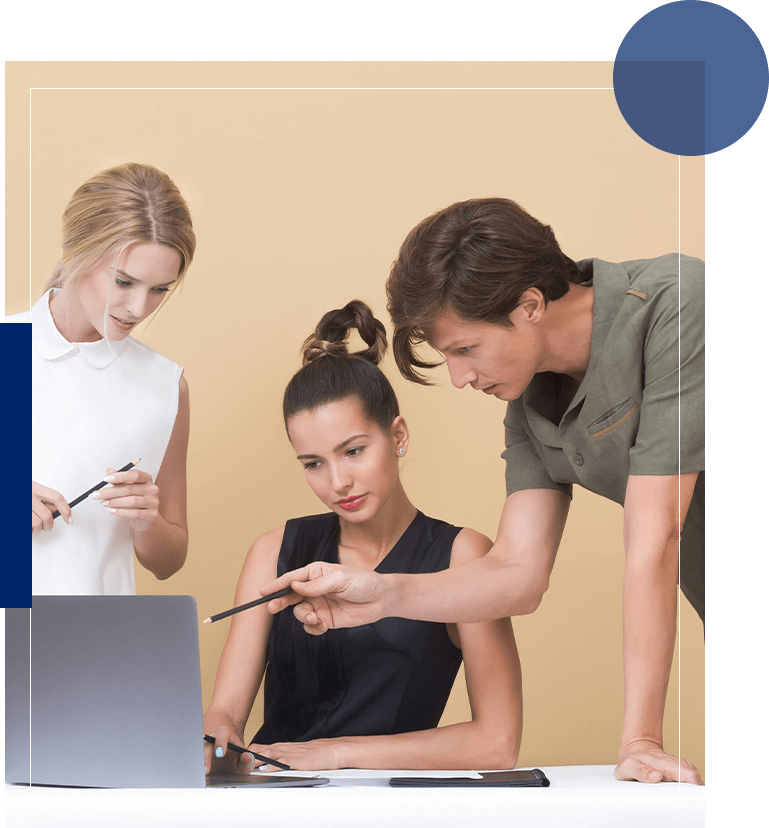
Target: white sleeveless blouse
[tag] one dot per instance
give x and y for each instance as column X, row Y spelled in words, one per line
column 94, row 405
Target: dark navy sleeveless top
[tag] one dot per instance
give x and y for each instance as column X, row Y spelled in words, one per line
column 393, row 676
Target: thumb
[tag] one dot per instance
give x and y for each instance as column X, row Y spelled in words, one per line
column 316, row 587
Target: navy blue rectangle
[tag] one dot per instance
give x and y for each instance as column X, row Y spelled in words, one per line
column 16, row 431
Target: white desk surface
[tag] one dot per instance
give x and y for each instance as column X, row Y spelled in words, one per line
column 578, row 796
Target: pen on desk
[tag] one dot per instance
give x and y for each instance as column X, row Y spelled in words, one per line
column 250, row 604
column 239, row 749
column 100, row 485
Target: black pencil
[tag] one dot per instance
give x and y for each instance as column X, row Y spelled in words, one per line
column 100, row 485
column 250, row 604
column 239, row 749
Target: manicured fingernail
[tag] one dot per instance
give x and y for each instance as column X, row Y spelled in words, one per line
column 109, row 478
column 69, row 520
column 219, row 752
column 113, row 511
column 96, row 495
column 263, row 767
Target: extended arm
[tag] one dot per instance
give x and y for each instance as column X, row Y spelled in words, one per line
column 654, row 517
column 510, row 580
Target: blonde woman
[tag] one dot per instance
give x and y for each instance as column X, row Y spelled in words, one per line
column 101, row 399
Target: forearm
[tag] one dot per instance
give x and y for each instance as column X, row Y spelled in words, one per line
column 162, row 549
column 487, row 588
column 468, row 745
column 649, row 632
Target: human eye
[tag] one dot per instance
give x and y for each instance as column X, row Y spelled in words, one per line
column 161, row 289
column 121, row 282
column 354, row 451
column 465, row 349
column 311, row 464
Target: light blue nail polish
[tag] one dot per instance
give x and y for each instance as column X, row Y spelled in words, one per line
column 219, row 752
column 263, row 767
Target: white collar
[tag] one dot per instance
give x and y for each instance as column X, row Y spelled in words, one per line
column 51, row 344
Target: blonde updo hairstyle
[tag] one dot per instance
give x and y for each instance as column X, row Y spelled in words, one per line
column 330, row 373
column 129, row 204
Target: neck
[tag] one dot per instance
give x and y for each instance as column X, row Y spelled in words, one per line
column 69, row 317
column 568, row 333
column 372, row 540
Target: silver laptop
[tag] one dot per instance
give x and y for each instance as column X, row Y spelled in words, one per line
column 104, row 691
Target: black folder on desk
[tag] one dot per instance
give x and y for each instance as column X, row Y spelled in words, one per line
column 534, row 778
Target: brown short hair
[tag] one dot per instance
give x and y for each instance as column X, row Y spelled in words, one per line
column 475, row 258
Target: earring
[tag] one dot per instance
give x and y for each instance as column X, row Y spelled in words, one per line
column 400, row 451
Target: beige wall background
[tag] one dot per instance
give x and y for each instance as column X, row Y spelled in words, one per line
column 302, row 188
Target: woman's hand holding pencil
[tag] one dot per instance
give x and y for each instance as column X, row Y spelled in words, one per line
column 131, row 494
column 46, row 504
column 227, row 745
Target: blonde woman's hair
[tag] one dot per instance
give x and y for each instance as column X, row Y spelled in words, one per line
column 129, row 204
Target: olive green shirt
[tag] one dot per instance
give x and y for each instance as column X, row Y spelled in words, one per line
column 640, row 408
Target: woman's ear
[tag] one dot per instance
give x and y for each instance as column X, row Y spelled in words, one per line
column 399, row 432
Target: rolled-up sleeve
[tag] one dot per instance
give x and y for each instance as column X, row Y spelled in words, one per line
column 523, row 466
column 671, row 432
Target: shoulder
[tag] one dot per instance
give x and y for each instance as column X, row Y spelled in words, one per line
column 261, row 561
column 469, row 545
column 147, row 358
column 267, row 545
column 670, row 278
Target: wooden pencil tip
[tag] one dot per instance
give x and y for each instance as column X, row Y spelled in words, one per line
column 207, row 621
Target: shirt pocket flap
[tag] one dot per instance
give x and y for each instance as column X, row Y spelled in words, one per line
column 611, row 419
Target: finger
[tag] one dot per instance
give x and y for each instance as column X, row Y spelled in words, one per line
column 321, row 585
column 279, row 604
column 46, row 517
column 131, row 476
column 129, row 502
column 42, row 517
column 61, row 506
column 50, row 497
column 286, row 580
column 681, row 771
column 634, row 770
column 208, row 754
column 245, row 763
column 221, row 737
column 306, row 615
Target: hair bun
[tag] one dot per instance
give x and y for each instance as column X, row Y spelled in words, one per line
column 333, row 330
column 314, row 349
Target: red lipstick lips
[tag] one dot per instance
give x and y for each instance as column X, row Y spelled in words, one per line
column 349, row 504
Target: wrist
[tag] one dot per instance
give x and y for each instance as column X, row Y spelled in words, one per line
column 632, row 744
column 393, row 590
column 344, row 752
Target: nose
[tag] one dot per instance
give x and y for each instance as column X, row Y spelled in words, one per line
column 137, row 304
column 460, row 374
column 340, row 478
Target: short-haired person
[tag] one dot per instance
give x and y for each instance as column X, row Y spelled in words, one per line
column 102, row 399
column 370, row 697
column 602, row 366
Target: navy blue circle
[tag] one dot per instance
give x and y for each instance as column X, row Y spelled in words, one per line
column 691, row 77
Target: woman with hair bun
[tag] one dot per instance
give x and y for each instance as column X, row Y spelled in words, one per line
column 100, row 397
column 373, row 696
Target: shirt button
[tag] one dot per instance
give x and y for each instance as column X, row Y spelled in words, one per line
column 579, row 459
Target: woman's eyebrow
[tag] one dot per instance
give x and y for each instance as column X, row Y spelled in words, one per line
column 336, row 448
column 138, row 281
